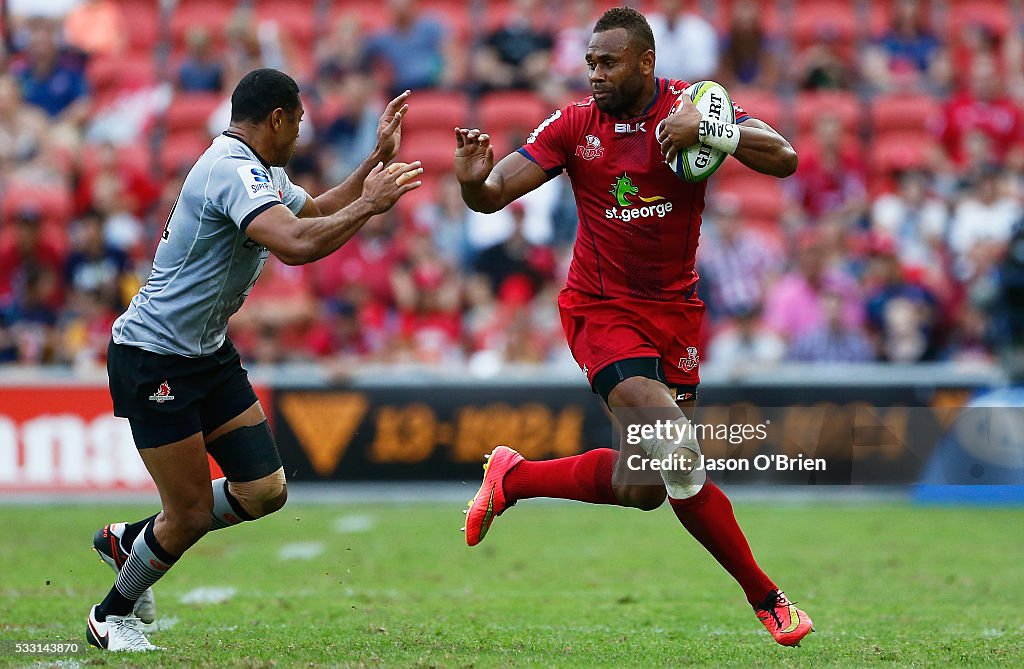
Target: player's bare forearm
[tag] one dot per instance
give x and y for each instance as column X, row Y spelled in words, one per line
column 764, row 150
column 484, row 197
column 321, row 236
column 485, row 188
column 297, row 241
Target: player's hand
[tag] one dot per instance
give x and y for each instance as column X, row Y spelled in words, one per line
column 384, row 185
column 474, row 156
column 389, row 128
column 679, row 131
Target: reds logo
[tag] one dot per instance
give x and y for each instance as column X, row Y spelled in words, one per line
column 692, row 359
column 162, row 394
column 592, row 150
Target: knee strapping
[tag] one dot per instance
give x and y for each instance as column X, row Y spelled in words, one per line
column 262, row 496
column 679, row 458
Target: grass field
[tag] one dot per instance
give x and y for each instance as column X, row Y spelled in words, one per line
column 554, row 585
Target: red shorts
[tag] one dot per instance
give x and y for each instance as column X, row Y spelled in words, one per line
column 604, row 331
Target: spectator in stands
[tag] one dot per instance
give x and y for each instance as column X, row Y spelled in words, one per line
column 517, row 54
column 687, row 44
column 52, row 78
column 515, row 257
column 23, row 128
column 32, row 318
column 341, row 55
column 738, row 262
column 280, row 307
column 568, row 69
column 93, row 266
column 427, row 294
column 983, row 106
column 252, row 45
column 795, row 305
column 914, row 218
column 825, row 65
column 366, row 260
column 986, row 214
column 750, row 57
column 85, row 324
column 831, row 179
column 833, row 339
column 745, row 344
column 337, row 334
column 411, row 50
column 28, row 253
column 901, row 314
column 445, row 219
column 97, row 27
column 202, row 70
column 906, row 56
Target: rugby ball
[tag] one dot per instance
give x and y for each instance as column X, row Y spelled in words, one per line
column 700, row 161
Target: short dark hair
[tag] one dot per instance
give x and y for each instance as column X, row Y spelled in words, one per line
column 261, row 92
column 632, row 21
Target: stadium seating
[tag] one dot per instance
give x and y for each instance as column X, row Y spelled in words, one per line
column 436, row 110
column 761, row 104
column 843, row 104
column 434, row 148
column 903, row 113
column 505, row 111
column 111, row 76
column 189, row 111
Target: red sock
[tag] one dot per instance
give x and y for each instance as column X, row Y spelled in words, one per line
column 708, row 517
column 586, row 477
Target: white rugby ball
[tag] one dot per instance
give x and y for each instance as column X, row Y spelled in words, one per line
column 698, row 162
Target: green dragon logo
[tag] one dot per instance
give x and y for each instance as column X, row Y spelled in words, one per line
column 623, row 188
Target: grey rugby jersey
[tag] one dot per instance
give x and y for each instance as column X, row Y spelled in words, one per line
column 205, row 265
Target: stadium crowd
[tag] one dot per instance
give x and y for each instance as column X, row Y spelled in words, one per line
column 886, row 245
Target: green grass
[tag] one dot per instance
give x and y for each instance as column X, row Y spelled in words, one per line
column 554, row 585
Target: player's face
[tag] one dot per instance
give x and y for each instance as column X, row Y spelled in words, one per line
column 616, row 71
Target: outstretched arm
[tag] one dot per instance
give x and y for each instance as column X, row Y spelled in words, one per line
column 389, row 137
column 759, row 146
column 487, row 187
column 297, row 241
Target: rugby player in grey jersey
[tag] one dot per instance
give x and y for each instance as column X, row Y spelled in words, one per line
column 173, row 372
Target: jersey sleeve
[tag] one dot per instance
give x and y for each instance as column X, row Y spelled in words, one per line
column 293, row 195
column 241, row 190
column 549, row 144
column 741, row 113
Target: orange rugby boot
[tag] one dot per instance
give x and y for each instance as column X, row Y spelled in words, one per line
column 490, row 498
column 786, row 623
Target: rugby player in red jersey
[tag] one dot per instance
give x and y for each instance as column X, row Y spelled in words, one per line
column 630, row 308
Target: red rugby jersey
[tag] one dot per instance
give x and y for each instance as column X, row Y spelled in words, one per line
column 638, row 222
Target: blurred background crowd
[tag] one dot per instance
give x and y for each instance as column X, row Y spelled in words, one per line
column 889, row 244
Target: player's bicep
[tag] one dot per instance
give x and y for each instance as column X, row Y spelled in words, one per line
column 517, row 175
column 274, row 228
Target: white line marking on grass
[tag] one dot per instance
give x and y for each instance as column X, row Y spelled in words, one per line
column 208, row 595
column 306, row 550
column 353, row 524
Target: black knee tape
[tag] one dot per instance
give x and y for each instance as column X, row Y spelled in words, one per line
column 247, row 453
column 617, row 372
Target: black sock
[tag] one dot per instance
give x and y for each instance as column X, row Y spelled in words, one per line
column 132, row 530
